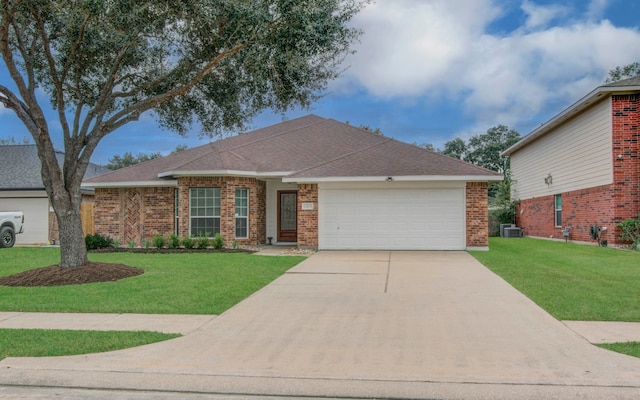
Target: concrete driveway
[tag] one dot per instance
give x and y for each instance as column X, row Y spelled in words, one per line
column 364, row 324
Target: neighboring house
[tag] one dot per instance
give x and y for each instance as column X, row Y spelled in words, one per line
column 311, row 181
column 581, row 169
column 21, row 189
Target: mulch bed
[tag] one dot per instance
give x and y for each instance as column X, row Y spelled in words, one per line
column 55, row 275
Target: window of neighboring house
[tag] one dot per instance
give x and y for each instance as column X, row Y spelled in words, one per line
column 204, row 211
column 242, row 213
column 558, row 209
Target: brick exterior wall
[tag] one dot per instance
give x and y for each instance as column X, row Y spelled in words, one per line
column 580, row 210
column 626, row 169
column 228, row 186
column 308, row 219
column 605, row 205
column 477, row 214
column 134, row 214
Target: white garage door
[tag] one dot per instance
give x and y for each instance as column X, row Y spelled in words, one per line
column 402, row 219
column 36, row 218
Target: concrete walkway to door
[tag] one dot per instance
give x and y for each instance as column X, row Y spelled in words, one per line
column 364, row 324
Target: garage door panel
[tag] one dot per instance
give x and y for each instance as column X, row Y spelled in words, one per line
column 36, row 216
column 411, row 219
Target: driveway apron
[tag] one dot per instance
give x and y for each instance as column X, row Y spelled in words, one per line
column 376, row 323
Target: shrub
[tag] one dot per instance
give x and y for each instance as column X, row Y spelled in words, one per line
column 97, row 241
column 218, row 241
column 501, row 214
column 203, row 240
column 158, row 241
column 630, row 229
column 147, row 244
column 188, row 243
column 174, row 241
column 132, row 244
column 116, row 243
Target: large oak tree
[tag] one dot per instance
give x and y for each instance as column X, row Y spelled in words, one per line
column 103, row 63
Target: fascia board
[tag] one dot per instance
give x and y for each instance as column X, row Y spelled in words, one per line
column 130, row 184
column 225, row 172
column 408, row 178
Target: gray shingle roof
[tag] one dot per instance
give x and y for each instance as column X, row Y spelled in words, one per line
column 307, row 147
column 635, row 81
column 21, row 167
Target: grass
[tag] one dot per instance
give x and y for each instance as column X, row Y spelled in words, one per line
column 628, row 348
column 41, row 342
column 570, row 281
column 193, row 283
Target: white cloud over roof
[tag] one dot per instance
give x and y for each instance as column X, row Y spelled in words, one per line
column 449, row 50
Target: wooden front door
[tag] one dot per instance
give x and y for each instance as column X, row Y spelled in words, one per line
column 287, row 216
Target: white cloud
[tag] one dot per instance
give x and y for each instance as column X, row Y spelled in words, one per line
column 596, row 9
column 408, row 45
column 442, row 50
column 540, row 16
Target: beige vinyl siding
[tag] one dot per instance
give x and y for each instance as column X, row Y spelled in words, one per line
column 577, row 155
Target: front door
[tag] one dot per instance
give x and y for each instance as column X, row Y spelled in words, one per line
column 287, row 216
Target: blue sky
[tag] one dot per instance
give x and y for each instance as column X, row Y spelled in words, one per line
column 428, row 71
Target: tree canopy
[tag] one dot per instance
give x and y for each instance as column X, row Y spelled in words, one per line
column 128, row 159
column 619, row 73
column 484, row 149
column 205, row 63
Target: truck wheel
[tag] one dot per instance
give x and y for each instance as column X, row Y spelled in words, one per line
column 7, row 237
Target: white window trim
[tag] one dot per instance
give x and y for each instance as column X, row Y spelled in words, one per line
column 555, row 210
column 244, row 217
column 219, row 217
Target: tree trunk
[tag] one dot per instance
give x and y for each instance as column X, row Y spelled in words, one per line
column 63, row 187
column 73, row 251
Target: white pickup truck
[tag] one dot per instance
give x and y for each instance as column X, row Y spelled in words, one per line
column 11, row 223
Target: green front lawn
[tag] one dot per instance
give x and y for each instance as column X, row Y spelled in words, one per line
column 192, row 283
column 570, row 281
column 41, row 342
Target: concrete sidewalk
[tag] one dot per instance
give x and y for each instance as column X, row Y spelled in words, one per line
column 594, row 331
column 363, row 324
column 183, row 324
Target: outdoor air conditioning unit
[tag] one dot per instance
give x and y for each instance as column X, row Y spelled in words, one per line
column 513, row 232
column 503, row 226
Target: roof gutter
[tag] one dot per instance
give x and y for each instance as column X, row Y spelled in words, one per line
column 129, row 184
column 224, row 172
column 590, row 99
column 405, row 178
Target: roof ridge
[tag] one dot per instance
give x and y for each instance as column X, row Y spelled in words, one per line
column 206, row 154
column 275, row 135
column 387, row 139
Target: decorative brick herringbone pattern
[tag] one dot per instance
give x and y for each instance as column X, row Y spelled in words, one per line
column 131, row 222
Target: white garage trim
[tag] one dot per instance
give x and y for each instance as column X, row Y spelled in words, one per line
column 394, row 216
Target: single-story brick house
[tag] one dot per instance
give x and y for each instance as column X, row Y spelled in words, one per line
column 311, row 181
column 581, row 168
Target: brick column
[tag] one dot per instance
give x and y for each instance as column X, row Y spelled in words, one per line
column 308, row 219
column 626, row 166
column 477, row 214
